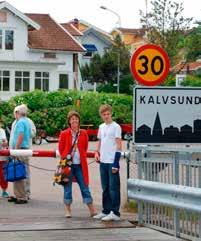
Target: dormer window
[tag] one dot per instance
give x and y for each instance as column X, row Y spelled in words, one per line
column 6, row 39
column 50, row 55
column 1, row 39
column 91, row 48
column 9, row 41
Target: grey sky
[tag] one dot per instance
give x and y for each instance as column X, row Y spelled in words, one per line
column 89, row 10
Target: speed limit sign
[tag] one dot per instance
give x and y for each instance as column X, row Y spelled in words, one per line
column 150, row 65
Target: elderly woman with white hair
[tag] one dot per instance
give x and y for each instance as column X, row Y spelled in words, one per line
column 20, row 140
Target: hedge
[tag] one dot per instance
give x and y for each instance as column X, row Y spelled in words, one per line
column 48, row 110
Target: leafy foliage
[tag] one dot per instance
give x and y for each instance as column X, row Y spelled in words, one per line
column 193, row 44
column 192, row 80
column 166, row 25
column 49, row 110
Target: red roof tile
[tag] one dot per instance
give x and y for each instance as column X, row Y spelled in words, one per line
column 71, row 29
column 186, row 67
column 51, row 35
column 134, row 31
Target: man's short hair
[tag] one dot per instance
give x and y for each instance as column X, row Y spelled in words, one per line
column 104, row 108
column 21, row 109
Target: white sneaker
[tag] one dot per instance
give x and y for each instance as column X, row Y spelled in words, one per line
column 100, row 216
column 111, row 217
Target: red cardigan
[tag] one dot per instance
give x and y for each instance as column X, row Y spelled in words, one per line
column 65, row 143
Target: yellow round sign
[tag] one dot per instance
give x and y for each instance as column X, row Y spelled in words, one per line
column 150, row 65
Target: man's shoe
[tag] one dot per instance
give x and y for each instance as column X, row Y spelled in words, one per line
column 12, row 199
column 21, row 201
column 5, row 194
column 111, row 217
column 100, row 216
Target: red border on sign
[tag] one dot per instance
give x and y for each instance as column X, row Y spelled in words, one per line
column 137, row 76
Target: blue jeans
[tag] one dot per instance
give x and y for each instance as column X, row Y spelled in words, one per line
column 76, row 171
column 111, row 189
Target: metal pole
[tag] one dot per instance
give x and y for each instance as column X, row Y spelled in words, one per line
column 139, row 175
column 176, row 181
column 118, row 72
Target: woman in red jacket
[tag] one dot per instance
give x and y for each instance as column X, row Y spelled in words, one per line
column 78, row 139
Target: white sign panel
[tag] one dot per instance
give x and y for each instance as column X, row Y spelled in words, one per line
column 167, row 115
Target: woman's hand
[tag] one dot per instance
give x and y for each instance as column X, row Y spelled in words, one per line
column 4, row 143
column 97, row 156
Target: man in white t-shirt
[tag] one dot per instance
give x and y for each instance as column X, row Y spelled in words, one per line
column 108, row 148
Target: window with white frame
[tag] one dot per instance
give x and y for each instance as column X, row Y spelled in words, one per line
column 9, row 39
column 22, row 80
column 1, row 39
column 4, row 80
column 42, row 81
column 6, row 39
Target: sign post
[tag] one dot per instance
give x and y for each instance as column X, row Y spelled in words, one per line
column 149, row 65
column 167, row 115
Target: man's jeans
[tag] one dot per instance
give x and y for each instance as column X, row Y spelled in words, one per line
column 76, row 171
column 111, row 189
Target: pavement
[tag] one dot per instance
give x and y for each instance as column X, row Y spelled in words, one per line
column 43, row 217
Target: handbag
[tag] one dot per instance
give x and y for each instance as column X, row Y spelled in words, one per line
column 14, row 170
column 61, row 176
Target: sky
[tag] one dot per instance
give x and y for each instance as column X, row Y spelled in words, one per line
column 90, row 11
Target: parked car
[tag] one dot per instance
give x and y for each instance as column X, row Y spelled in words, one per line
column 127, row 131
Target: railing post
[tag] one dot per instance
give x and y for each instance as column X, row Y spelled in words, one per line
column 139, row 173
column 188, row 170
column 199, row 185
column 176, row 181
column 128, row 166
column 139, row 163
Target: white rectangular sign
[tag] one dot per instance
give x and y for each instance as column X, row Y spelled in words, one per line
column 167, row 115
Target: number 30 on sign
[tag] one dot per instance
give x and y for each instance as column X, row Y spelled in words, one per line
column 150, row 65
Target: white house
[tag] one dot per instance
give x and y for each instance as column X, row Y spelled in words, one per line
column 35, row 53
column 93, row 39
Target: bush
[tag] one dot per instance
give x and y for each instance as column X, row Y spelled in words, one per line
column 49, row 110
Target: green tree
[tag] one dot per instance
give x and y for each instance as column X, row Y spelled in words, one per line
column 192, row 44
column 166, row 25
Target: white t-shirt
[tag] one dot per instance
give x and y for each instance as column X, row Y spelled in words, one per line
column 2, row 137
column 107, row 134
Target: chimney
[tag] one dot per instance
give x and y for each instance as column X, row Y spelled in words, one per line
column 76, row 23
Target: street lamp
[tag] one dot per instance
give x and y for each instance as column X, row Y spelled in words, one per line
column 118, row 54
column 115, row 13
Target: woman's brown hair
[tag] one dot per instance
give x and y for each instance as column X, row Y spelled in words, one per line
column 71, row 114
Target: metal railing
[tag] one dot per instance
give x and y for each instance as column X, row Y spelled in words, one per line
column 166, row 166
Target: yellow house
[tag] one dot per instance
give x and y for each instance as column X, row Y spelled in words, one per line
column 132, row 37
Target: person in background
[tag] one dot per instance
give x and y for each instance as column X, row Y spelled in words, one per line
column 108, row 153
column 3, row 145
column 78, row 139
column 20, row 140
column 33, row 134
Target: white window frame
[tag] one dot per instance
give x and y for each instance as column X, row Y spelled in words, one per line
column 88, row 57
column 42, row 78
column 3, row 35
column 22, row 77
column 2, row 77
